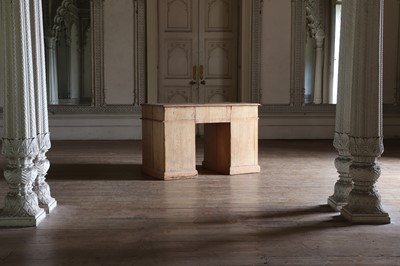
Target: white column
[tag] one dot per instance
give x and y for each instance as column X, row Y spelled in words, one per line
column 319, row 63
column 20, row 145
column 342, row 127
column 41, row 187
column 51, row 63
column 366, row 140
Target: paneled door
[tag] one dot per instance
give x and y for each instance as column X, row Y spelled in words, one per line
column 198, row 47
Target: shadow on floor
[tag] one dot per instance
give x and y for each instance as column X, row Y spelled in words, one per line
column 106, row 172
column 97, row 172
column 294, row 214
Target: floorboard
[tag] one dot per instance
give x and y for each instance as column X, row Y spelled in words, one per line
column 109, row 213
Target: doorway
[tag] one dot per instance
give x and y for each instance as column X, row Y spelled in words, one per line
column 198, row 51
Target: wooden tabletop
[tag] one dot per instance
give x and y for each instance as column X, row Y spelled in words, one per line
column 199, row 104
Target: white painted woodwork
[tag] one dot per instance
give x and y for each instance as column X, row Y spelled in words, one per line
column 119, row 51
column 197, row 51
column 276, row 51
column 178, row 51
column 218, row 50
column 169, row 139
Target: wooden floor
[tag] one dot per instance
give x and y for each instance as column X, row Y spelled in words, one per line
column 111, row 214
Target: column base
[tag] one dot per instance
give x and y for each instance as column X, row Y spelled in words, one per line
column 337, row 206
column 49, row 207
column 22, row 221
column 378, row 218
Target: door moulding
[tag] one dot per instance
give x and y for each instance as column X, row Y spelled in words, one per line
column 245, row 52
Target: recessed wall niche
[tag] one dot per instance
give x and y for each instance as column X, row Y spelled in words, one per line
column 68, row 45
column 321, row 54
column 81, row 71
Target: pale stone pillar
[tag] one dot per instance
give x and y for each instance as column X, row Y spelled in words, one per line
column 41, row 187
column 20, row 145
column 342, row 127
column 51, row 63
column 319, row 63
column 366, row 140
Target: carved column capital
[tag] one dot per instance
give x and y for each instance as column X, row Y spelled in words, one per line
column 319, row 38
column 315, row 18
column 44, row 143
column 50, row 42
column 341, row 142
column 20, row 151
column 363, row 148
column 20, row 174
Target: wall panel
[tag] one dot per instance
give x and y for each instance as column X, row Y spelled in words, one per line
column 276, row 52
column 2, row 76
column 390, row 43
column 119, row 51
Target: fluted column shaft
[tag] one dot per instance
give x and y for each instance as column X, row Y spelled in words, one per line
column 342, row 127
column 366, row 140
column 51, row 63
column 319, row 63
column 20, row 145
column 42, row 164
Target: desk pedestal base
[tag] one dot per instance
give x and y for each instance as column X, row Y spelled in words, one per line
column 230, row 139
column 169, row 175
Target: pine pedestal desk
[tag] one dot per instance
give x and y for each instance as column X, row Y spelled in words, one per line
column 230, row 138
